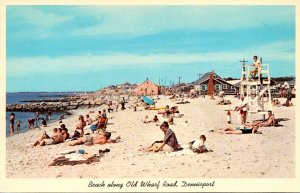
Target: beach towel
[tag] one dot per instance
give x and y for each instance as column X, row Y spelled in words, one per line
column 82, row 159
column 184, row 151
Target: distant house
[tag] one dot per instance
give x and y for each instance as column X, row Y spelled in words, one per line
column 292, row 83
column 147, row 88
column 182, row 88
column 219, row 84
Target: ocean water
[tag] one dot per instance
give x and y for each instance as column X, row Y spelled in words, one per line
column 15, row 98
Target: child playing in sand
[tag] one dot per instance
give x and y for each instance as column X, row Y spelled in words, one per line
column 198, row 146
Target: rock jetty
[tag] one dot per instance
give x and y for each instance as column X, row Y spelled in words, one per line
column 60, row 104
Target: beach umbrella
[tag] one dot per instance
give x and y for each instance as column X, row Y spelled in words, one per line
column 148, row 100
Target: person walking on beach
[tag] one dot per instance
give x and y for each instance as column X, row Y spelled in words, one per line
column 12, row 123
column 123, row 103
column 257, row 64
column 243, row 108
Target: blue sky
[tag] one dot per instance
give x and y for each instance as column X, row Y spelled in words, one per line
column 83, row 48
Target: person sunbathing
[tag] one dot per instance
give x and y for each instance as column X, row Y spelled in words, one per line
column 182, row 101
column 168, row 144
column 244, row 129
column 271, row 121
column 55, row 139
column 44, row 136
column 146, row 119
column 101, row 138
column 276, row 102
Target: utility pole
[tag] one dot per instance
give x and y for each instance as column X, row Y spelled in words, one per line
column 243, row 61
column 179, row 79
column 244, row 67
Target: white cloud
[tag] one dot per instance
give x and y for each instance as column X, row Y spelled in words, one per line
column 276, row 51
column 143, row 20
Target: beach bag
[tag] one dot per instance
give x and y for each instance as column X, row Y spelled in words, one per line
column 93, row 127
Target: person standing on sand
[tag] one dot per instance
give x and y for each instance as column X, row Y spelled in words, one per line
column 12, row 123
column 123, row 103
column 243, row 108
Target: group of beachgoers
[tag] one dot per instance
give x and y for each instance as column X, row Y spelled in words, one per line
column 80, row 136
column 90, row 131
column 96, row 128
column 32, row 122
column 247, row 128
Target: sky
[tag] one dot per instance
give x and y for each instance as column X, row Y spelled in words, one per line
column 85, row 48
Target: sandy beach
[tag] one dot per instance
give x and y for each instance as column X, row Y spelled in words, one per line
column 267, row 155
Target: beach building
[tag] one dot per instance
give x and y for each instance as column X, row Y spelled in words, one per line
column 147, row 88
column 210, row 83
column 182, row 88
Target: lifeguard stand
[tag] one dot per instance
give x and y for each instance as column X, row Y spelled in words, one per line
column 257, row 91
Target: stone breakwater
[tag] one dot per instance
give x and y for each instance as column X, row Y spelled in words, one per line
column 62, row 104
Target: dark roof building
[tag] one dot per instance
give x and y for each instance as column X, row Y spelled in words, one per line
column 203, row 84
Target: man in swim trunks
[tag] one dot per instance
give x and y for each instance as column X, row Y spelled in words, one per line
column 243, row 108
column 271, row 121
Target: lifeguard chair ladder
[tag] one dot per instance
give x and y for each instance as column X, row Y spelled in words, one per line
column 257, row 91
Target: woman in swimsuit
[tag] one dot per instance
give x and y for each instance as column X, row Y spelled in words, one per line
column 240, row 130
